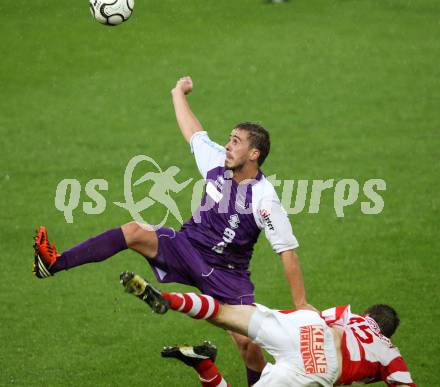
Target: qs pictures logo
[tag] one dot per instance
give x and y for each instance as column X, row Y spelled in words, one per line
column 143, row 174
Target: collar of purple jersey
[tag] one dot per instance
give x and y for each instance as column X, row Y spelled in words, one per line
column 252, row 181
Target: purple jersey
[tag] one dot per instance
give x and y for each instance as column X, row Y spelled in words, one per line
column 228, row 222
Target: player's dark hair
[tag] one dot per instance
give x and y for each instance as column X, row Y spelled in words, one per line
column 258, row 138
column 386, row 317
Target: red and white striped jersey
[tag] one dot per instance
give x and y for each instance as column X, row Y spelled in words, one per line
column 367, row 355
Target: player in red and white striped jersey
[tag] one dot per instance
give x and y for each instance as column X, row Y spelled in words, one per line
column 367, row 353
column 334, row 347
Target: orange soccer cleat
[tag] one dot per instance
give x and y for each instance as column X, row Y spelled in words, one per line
column 45, row 254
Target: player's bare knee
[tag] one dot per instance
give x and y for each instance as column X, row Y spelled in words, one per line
column 254, row 353
column 140, row 237
column 242, row 343
column 131, row 233
column 250, row 352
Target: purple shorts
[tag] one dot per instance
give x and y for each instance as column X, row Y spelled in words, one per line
column 179, row 261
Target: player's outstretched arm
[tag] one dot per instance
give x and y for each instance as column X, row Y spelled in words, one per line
column 294, row 277
column 188, row 122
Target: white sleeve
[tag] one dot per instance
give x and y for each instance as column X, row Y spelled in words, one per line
column 207, row 153
column 271, row 216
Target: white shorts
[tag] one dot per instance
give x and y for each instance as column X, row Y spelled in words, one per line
column 301, row 344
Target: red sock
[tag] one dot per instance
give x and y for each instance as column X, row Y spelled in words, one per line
column 209, row 374
column 199, row 306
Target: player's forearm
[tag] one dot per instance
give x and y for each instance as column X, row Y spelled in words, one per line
column 294, row 277
column 187, row 121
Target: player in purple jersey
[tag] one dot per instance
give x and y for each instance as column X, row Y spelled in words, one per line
column 213, row 249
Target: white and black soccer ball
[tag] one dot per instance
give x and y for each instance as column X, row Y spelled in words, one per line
column 111, row 12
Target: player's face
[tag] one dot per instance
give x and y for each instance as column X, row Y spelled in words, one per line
column 238, row 150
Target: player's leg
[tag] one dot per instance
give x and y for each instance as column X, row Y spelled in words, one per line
column 241, row 293
column 133, row 235
column 252, row 356
column 202, row 359
column 141, row 238
column 235, row 318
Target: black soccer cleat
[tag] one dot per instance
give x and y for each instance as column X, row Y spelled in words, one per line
column 191, row 355
column 139, row 287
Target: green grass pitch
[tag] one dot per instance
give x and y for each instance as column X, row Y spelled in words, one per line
column 348, row 89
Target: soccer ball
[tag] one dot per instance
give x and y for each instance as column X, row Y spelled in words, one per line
column 111, row 12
